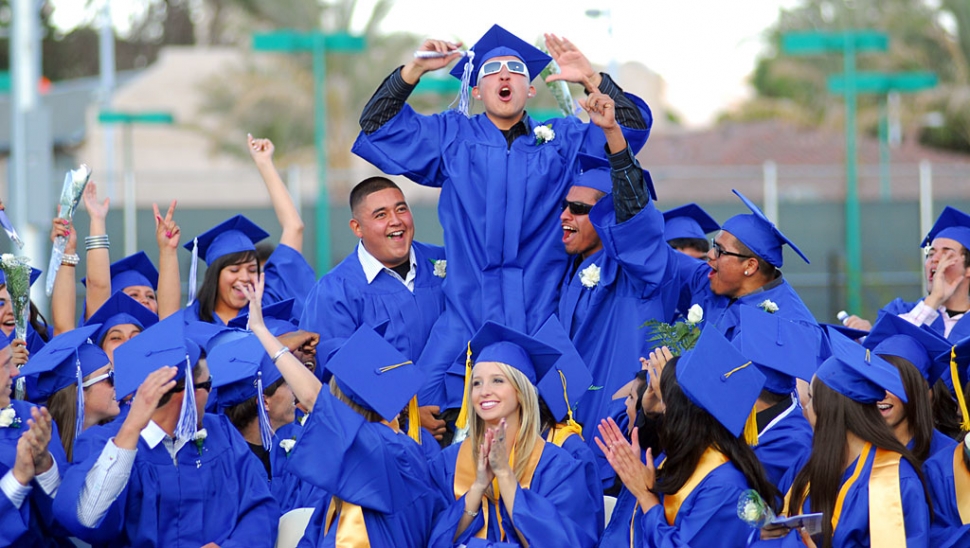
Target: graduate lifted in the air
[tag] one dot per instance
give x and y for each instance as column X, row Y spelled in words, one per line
column 502, row 176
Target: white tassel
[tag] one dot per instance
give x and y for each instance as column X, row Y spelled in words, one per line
column 265, row 428
column 193, row 271
column 188, row 423
column 464, row 93
column 79, row 422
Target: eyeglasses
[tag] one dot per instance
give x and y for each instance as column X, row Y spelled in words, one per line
column 108, row 377
column 718, row 251
column 576, row 208
column 207, row 385
column 514, row 65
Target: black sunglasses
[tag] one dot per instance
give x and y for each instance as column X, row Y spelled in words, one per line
column 576, row 208
column 718, row 251
column 207, row 385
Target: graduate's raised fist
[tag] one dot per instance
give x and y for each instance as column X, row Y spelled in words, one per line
column 432, row 55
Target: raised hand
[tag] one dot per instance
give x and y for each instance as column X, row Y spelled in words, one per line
column 143, row 406
column 260, row 149
column 624, row 457
column 95, row 209
column 167, row 231
column 20, row 352
column 254, row 292
column 573, row 65
column 418, row 66
column 600, row 108
column 945, row 286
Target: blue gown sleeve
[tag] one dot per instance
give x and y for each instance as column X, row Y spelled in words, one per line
column 916, row 511
column 257, row 513
column 13, row 521
column 581, row 451
column 288, row 276
column 410, row 144
column 567, row 505
column 637, row 244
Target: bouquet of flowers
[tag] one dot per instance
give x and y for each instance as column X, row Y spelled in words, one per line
column 17, row 272
column 559, row 88
column 753, row 510
column 679, row 337
column 71, row 193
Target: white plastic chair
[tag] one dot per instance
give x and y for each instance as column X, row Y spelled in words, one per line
column 292, row 526
column 608, row 504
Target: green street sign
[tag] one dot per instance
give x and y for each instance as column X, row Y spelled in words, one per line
column 884, row 82
column 810, row 43
column 442, row 86
column 4, row 82
column 144, row 117
column 292, row 41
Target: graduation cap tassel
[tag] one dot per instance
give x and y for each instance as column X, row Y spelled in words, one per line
column 958, row 388
column 571, row 427
column 193, row 271
column 79, row 421
column 464, row 92
column 751, row 428
column 462, row 420
column 265, row 428
column 188, row 423
column 414, row 420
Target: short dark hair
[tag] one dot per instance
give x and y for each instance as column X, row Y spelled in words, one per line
column 179, row 385
column 209, row 292
column 766, row 268
column 243, row 414
column 700, row 244
column 367, row 187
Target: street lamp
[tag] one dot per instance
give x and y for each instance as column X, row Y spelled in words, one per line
column 127, row 120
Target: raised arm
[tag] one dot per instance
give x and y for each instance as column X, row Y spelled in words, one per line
column 286, row 213
column 64, row 298
column 167, row 234
column 98, row 261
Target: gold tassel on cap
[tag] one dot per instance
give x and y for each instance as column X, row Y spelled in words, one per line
column 462, row 420
column 563, row 431
column 414, row 420
column 961, row 401
column 751, row 428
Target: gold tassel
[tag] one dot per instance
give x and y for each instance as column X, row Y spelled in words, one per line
column 462, row 420
column 414, row 420
column 965, row 423
column 562, row 431
column 751, row 428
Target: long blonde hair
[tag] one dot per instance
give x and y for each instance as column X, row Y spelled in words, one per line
column 528, row 434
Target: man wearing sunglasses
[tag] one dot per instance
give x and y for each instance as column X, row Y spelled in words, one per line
column 502, row 176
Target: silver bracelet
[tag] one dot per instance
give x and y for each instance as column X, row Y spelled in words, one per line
column 70, row 260
column 471, row 515
column 99, row 241
column 279, row 353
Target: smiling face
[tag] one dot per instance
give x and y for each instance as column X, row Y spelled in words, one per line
column 382, row 220
column 578, row 235
column 493, row 396
column 7, row 322
column 893, row 410
column 727, row 275
column 99, row 398
column 504, row 95
column 117, row 336
column 143, row 294
column 940, row 248
column 232, row 279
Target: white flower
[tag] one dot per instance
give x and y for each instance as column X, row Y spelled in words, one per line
column 695, row 314
column 201, row 434
column 590, row 276
column 544, row 134
column 7, row 416
column 287, row 444
column 302, row 419
column 7, row 257
column 440, row 267
column 751, row 512
column 768, row 306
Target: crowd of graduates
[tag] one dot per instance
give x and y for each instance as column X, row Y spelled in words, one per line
column 501, row 390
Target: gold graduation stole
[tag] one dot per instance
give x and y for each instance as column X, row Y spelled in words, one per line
column 351, row 528
column 710, row 460
column 466, row 469
column 961, row 484
column 560, row 432
column 887, row 529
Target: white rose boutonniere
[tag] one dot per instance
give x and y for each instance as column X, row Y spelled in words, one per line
column 288, row 444
column 9, row 418
column 590, row 276
column 440, row 267
column 768, row 306
column 544, row 134
column 200, row 440
column 695, row 314
column 302, row 420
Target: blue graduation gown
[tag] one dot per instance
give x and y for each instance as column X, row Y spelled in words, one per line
column 367, row 464
column 853, row 527
column 499, row 207
column 580, row 450
column 219, row 496
column 637, row 283
column 938, row 442
column 288, row 276
column 783, row 444
column 617, row 532
column 554, row 511
column 707, row 517
column 959, row 332
column 947, row 528
column 342, row 301
column 290, row 491
column 33, row 524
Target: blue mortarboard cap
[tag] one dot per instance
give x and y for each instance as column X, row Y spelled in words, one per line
column 857, row 373
column 230, row 236
column 497, row 343
column 134, row 269
column 854, row 334
column 594, row 172
column 688, row 221
column 569, row 370
column 782, row 349
column 234, row 369
column 716, row 377
column 277, row 316
column 374, row 374
column 120, row 309
column 894, row 336
column 759, row 234
column 55, row 365
column 498, row 42
column 953, row 224
column 160, row 345
column 34, row 274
